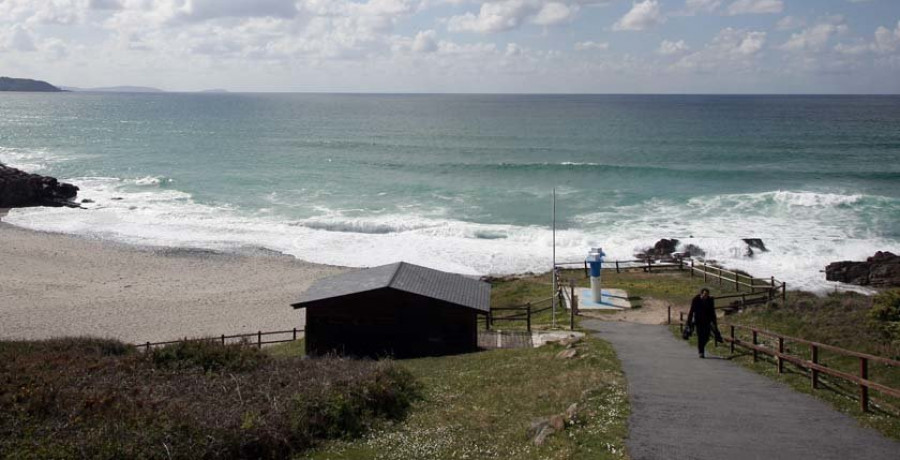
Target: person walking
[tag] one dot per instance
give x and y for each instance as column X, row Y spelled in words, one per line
column 702, row 318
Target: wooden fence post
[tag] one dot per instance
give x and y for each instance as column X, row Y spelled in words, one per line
column 814, row 375
column 148, row 346
column 223, row 339
column 669, row 320
column 295, row 334
column 528, row 316
column 783, row 291
column 719, row 271
column 681, row 321
column 737, row 287
column 732, row 339
column 780, row 352
column 572, row 316
column 259, row 339
column 754, row 343
column 692, row 268
column 864, row 389
column 704, row 272
column 649, row 267
column 586, row 269
column 617, row 266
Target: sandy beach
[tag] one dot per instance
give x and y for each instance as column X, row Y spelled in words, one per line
column 55, row 285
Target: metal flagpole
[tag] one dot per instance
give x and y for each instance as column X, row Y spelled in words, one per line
column 553, row 272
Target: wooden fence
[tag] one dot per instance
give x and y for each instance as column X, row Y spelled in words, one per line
column 619, row 266
column 234, row 338
column 815, row 365
column 739, row 280
column 519, row 312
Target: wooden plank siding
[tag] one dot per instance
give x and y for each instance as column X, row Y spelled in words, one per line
column 389, row 322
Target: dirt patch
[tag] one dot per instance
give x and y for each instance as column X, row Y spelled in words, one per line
column 652, row 311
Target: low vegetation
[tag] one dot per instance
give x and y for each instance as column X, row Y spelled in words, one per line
column 480, row 406
column 92, row 398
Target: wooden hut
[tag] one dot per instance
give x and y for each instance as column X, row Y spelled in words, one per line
column 400, row 310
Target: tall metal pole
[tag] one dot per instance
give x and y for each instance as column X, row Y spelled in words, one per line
column 553, row 272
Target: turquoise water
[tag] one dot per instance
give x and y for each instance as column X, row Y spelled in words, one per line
column 464, row 182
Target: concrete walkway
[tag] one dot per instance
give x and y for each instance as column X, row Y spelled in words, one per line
column 684, row 407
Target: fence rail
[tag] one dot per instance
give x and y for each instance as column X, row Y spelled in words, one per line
column 813, row 366
column 224, row 339
column 739, row 280
column 646, row 265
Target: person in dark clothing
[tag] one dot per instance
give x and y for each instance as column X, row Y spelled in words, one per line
column 703, row 319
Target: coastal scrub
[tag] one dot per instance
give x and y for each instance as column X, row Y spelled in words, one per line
column 94, row 398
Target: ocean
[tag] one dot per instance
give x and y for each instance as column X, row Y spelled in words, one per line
column 465, row 182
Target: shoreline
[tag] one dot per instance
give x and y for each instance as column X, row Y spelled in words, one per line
column 54, row 285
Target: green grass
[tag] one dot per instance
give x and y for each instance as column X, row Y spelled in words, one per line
column 286, row 349
column 480, row 405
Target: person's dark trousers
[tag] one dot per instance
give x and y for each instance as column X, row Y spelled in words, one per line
column 702, row 338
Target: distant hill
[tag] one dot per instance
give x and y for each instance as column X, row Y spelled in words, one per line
column 217, row 90
column 25, row 84
column 118, row 89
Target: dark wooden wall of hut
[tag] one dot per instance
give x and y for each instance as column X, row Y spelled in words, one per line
column 387, row 322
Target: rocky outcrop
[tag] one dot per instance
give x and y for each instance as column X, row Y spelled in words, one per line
column 663, row 249
column 692, row 250
column 882, row 269
column 754, row 243
column 19, row 189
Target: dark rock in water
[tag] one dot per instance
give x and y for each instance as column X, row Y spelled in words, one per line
column 754, row 243
column 882, row 269
column 19, row 189
column 87, row 200
column 694, row 251
column 663, row 249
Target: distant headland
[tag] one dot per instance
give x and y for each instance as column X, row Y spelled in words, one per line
column 25, row 84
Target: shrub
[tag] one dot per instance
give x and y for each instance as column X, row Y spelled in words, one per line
column 886, row 306
column 201, row 400
column 208, row 355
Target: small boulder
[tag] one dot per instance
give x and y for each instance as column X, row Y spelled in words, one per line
column 542, row 436
column 572, row 413
column 557, row 422
column 568, row 353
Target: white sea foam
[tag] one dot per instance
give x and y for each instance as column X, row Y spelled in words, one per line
column 804, row 231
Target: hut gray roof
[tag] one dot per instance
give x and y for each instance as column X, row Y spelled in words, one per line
column 449, row 287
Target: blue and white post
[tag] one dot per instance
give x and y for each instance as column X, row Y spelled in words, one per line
column 595, row 261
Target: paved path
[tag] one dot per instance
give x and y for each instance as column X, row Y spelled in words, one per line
column 743, row 415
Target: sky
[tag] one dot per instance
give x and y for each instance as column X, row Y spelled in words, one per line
column 450, row 46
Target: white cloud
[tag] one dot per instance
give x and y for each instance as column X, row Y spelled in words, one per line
column 19, row 38
column 591, row 45
column 643, row 15
column 671, row 48
column 815, row 38
column 755, row 7
column 502, row 15
column 425, row 42
column 852, row 49
column 554, row 13
column 886, row 40
column 692, row 7
column 790, row 23
column 732, row 50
